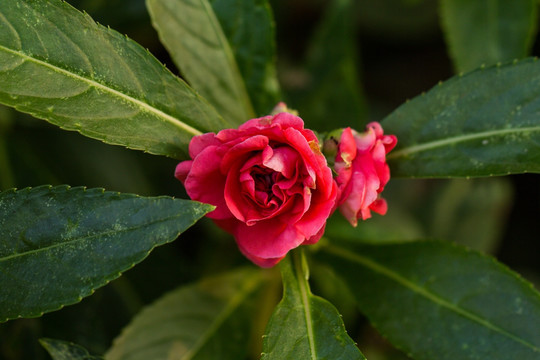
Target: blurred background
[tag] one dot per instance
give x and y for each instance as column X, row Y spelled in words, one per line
column 340, row 63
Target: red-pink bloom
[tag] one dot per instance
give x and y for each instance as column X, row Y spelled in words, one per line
column 271, row 185
column 362, row 171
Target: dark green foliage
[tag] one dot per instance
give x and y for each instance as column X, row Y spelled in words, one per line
column 57, row 64
column 208, row 320
column 59, row 244
column 305, row 326
column 480, row 124
column 438, row 301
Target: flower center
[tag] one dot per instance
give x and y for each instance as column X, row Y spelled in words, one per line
column 264, row 179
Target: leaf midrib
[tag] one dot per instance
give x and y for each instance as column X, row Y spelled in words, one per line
column 88, row 237
column 305, row 294
column 423, row 292
column 138, row 103
column 457, row 139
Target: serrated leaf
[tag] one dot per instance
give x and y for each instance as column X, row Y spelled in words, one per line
column 334, row 97
column 305, row 326
column 439, row 301
column 57, row 64
column 250, row 29
column 488, row 31
column 193, row 36
column 480, row 124
column 59, row 244
column 63, row 350
column 210, row 319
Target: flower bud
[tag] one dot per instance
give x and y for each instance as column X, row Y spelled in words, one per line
column 361, row 171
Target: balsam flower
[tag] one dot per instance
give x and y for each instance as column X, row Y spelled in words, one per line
column 362, row 172
column 271, row 185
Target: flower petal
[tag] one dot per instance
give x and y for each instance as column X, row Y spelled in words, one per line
column 205, row 182
column 268, row 239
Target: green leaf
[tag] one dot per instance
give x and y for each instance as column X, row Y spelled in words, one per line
column 471, row 212
column 57, row 64
column 439, row 301
column 305, row 326
column 488, row 31
column 210, row 319
column 480, row 124
column 193, row 36
column 58, row 244
column 250, row 29
column 334, row 97
column 63, row 350
column 334, row 290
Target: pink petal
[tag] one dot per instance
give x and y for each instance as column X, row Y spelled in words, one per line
column 346, row 147
column 268, row 239
column 205, row 182
column 366, row 140
column 182, row 170
column 315, row 238
column 201, row 142
column 262, row 262
column 241, row 152
column 322, row 204
column 379, row 206
column 283, row 160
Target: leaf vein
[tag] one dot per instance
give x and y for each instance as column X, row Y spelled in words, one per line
column 88, row 237
column 139, row 103
column 304, row 293
column 78, row 49
column 374, row 266
column 14, row 31
column 457, row 139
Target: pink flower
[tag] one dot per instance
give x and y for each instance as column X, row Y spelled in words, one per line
column 271, row 185
column 362, row 171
